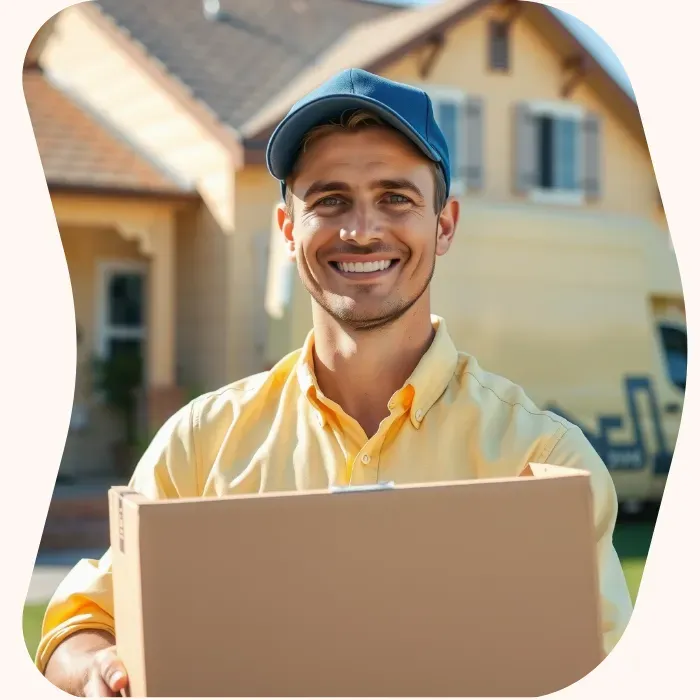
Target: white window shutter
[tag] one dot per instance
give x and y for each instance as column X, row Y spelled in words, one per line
column 591, row 171
column 472, row 150
column 525, row 149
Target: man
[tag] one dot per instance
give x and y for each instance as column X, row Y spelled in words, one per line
column 378, row 388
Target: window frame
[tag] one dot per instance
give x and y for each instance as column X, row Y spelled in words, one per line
column 496, row 25
column 459, row 98
column 663, row 324
column 106, row 269
column 561, row 110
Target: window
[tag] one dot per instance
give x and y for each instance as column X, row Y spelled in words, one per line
column 122, row 311
column 675, row 343
column 447, row 115
column 499, row 45
column 460, row 118
column 557, row 152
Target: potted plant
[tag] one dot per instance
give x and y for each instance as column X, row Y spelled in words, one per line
column 118, row 379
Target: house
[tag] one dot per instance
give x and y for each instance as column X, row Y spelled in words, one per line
column 116, row 210
column 168, row 207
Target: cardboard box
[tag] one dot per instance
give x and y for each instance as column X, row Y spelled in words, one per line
column 477, row 588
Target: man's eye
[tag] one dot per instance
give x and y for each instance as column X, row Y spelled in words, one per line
column 397, row 199
column 328, row 202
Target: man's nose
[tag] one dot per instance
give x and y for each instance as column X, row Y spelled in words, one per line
column 363, row 227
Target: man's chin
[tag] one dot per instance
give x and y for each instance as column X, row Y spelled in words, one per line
column 365, row 319
column 360, row 313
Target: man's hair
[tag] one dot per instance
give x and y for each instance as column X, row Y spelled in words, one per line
column 356, row 120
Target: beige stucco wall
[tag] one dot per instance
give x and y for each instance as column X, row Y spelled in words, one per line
column 629, row 185
column 201, row 299
column 257, row 194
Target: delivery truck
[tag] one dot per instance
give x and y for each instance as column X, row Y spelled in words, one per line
column 585, row 311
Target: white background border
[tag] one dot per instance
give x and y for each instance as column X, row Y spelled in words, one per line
column 656, row 42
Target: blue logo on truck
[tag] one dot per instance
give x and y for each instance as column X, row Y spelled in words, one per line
column 635, row 454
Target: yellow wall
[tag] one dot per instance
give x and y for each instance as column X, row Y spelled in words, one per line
column 629, row 185
column 257, row 194
column 201, row 288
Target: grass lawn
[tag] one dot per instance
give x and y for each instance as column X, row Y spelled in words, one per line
column 632, row 544
column 31, row 623
column 631, row 541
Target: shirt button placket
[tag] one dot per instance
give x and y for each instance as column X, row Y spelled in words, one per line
column 370, row 470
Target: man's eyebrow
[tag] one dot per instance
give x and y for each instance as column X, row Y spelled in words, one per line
column 398, row 184
column 323, row 187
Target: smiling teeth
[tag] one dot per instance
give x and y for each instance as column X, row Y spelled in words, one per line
column 364, row 267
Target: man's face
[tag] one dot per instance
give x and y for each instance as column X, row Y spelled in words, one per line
column 365, row 232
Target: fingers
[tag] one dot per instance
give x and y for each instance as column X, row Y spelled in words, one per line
column 111, row 670
column 97, row 688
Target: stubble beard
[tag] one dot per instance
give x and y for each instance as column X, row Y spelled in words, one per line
column 357, row 323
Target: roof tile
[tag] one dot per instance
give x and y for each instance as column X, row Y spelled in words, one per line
column 238, row 63
column 77, row 150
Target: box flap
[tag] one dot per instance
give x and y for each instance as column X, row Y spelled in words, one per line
column 548, row 471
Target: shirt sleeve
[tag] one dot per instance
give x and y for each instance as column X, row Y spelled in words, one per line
column 84, row 600
column 574, row 450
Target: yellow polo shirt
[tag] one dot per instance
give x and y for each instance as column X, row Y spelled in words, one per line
column 277, row 432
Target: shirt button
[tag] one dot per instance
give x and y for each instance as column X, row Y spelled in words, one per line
column 366, row 459
column 419, row 415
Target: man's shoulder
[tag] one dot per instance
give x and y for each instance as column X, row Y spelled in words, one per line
column 510, row 426
column 499, row 397
column 233, row 399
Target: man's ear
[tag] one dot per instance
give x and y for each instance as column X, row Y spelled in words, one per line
column 447, row 225
column 286, row 227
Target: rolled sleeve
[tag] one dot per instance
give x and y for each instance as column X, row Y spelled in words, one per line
column 84, row 599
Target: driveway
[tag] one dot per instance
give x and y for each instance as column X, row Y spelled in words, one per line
column 50, row 570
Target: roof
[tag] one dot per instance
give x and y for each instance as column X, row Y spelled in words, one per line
column 364, row 46
column 249, row 65
column 374, row 45
column 78, row 152
column 234, row 65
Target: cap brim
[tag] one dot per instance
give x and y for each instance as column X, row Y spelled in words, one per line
column 284, row 143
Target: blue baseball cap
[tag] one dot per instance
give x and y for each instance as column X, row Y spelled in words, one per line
column 404, row 107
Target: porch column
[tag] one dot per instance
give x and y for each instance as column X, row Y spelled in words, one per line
column 163, row 395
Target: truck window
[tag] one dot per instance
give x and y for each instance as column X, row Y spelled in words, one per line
column 675, row 344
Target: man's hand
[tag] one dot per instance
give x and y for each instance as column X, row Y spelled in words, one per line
column 86, row 665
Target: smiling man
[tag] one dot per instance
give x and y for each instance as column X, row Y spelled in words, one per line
column 378, row 391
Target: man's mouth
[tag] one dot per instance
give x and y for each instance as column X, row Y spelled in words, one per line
column 364, row 267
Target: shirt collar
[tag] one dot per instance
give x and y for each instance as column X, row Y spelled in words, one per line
column 305, row 366
column 428, row 380
column 433, row 373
